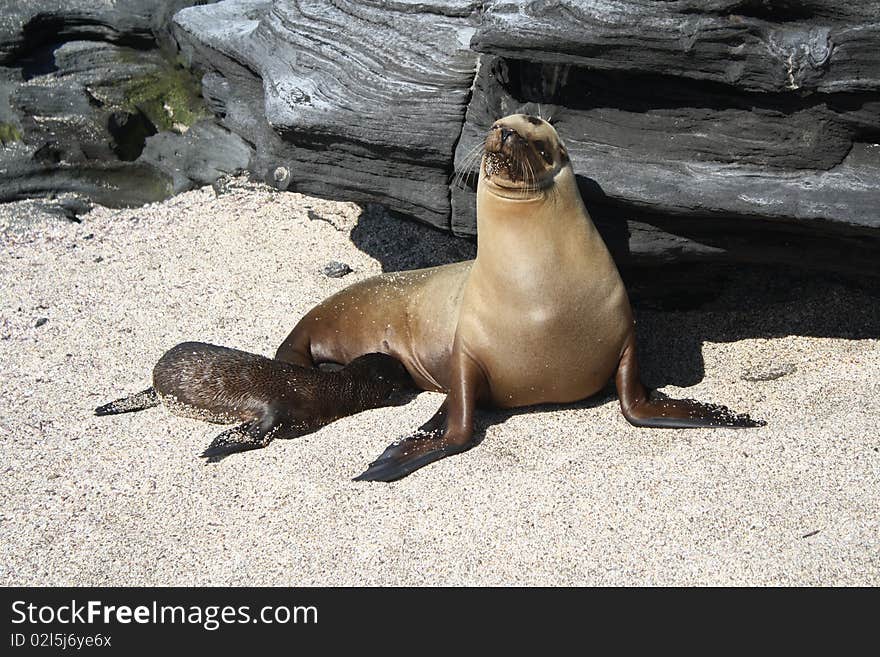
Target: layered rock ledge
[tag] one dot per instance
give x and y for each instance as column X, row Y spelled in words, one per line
column 738, row 130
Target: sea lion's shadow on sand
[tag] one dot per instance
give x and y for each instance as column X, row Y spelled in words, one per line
column 678, row 307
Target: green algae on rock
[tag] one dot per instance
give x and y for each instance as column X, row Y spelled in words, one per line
column 9, row 133
column 169, row 97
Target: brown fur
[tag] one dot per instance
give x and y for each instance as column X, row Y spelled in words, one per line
column 540, row 316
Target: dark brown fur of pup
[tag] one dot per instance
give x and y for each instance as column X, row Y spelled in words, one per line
column 274, row 399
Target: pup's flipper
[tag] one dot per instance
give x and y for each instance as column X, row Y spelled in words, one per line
column 136, row 402
column 243, row 438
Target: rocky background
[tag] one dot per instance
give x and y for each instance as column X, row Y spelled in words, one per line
column 721, row 130
column 96, row 106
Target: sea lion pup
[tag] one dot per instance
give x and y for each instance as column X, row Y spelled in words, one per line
column 541, row 315
column 273, row 398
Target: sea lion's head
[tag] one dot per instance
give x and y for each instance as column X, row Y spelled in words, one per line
column 522, row 153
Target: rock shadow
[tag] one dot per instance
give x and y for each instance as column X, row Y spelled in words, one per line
column 400, row 244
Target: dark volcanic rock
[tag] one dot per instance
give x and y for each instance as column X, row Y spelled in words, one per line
column 699, row 130
column 364, row 100
column 714, row 120
column 717, row 130
column 28, row 26
column 743, row 130
column 336, row 269
column 754, row 45
column 65, row 118
column 200, row 156
column 653, row 148
column 90, row 104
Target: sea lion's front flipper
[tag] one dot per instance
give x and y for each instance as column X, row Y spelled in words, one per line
column 450, row 431
column 243, row 438
column 654, row 409
column 408, row 455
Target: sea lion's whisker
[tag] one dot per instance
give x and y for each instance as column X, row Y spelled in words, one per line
column 532, row 177
column 523, row 163
column 473, row 154
column 467, row 164
column 528, row 177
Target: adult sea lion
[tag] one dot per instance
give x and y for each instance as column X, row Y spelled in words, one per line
column 540, row 316
column 273, row 398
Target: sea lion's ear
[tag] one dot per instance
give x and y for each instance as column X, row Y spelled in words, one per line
column 563, row 154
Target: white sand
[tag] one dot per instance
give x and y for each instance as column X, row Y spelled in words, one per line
column 554, row 496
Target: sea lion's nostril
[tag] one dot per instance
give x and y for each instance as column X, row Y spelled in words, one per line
column 505, row 133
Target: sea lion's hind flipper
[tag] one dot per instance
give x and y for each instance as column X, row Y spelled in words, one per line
column 136, row 402
column 654, row 409
column 663, row 412
column 243, row 438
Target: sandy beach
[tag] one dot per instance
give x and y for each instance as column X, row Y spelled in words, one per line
column 552, row 496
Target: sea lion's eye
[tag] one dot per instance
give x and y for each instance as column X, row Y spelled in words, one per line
column 541, row 147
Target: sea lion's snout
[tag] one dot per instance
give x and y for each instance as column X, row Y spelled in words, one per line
column 394, row 376
column 504, row 149
column 502, row 140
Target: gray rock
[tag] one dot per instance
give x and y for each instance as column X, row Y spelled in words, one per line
column 200, row 156
column 25, row 27
column 699, row 130
column 65, row 119
column 696, row 172
column 363, row 100
column 336, row 269
column 84, row 87
column 769, row 372
column 725, row 130
column 756, row 46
